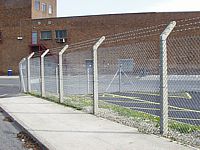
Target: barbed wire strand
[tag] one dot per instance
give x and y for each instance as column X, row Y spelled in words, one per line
column 188, row 19
column 125, row 36
column 140, row 29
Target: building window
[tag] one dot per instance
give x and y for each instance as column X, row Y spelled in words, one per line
column 61, row 34
column 46, row 35
column 34, row 38
column 126, row 65
column 50, row 9
column 0, row 36
column 44, row 7
column 37, row 5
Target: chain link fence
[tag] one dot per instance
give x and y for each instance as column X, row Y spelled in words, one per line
column 145, row 78
column 51, row 82
column 128, row 65
column 184, row 80
column 23, row 75
column 35, row 75
column 78, row 75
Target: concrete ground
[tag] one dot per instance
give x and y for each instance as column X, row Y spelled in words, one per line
column 63, row 128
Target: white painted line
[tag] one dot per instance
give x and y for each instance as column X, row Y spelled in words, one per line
column 125, row 101
column 3, row 95
column 132, row 98
column 193, row 119
column 187, row 95
column 6, row 85
column 149, row 102
column 34, row 81
column 183, row 110
column 9, row 77
column 144, row 108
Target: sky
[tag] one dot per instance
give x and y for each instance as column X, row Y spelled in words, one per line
column 68, row 8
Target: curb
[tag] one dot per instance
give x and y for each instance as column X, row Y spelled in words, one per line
column 42, row 142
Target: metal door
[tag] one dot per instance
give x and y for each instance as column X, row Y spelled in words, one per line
column 34, row 38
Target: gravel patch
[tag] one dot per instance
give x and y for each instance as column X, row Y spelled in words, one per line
column 28, row 142
column 148, row 127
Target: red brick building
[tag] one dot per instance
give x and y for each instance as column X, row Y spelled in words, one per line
column 32, row 25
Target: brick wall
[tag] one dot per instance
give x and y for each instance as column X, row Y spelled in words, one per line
column 78, row 29
column 89, row 27
column 83, row 28
column 40, row 14
column 13, row 14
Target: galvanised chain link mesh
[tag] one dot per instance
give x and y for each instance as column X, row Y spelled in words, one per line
column 23, row 75
column 51, row 74
column 183, row 49
column 51, row 80
column 78, row 75
column 35, row 75
column 129, row 83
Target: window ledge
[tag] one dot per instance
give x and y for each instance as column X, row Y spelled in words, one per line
column 45, row 39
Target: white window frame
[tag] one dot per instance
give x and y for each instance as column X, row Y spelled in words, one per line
column 37, row 3
column 50, row 10
column 44, row 7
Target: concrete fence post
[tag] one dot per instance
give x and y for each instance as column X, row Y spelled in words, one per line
column 88, row 80
column 95, row 75
column 29, row 72
column 164, row 79
column 57, row 84
column 21, row 76
column 120, row 77
column 61, row 74
column 42, row 84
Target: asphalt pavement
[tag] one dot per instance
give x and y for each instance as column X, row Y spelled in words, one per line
column 8, row 135
column 183, row 109
column 9, row 87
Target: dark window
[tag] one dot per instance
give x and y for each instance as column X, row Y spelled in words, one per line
column 46, row 35
column 61, row 34
column 34, row 37
column 126, row 64
column 0, row 36
column 37, row 5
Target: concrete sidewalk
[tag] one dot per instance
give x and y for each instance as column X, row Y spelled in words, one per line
column 63, row 128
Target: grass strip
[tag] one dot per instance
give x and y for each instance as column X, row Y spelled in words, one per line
column 80, row 102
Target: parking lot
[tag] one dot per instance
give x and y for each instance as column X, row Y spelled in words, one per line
column 184, row 108
column 141, row 94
